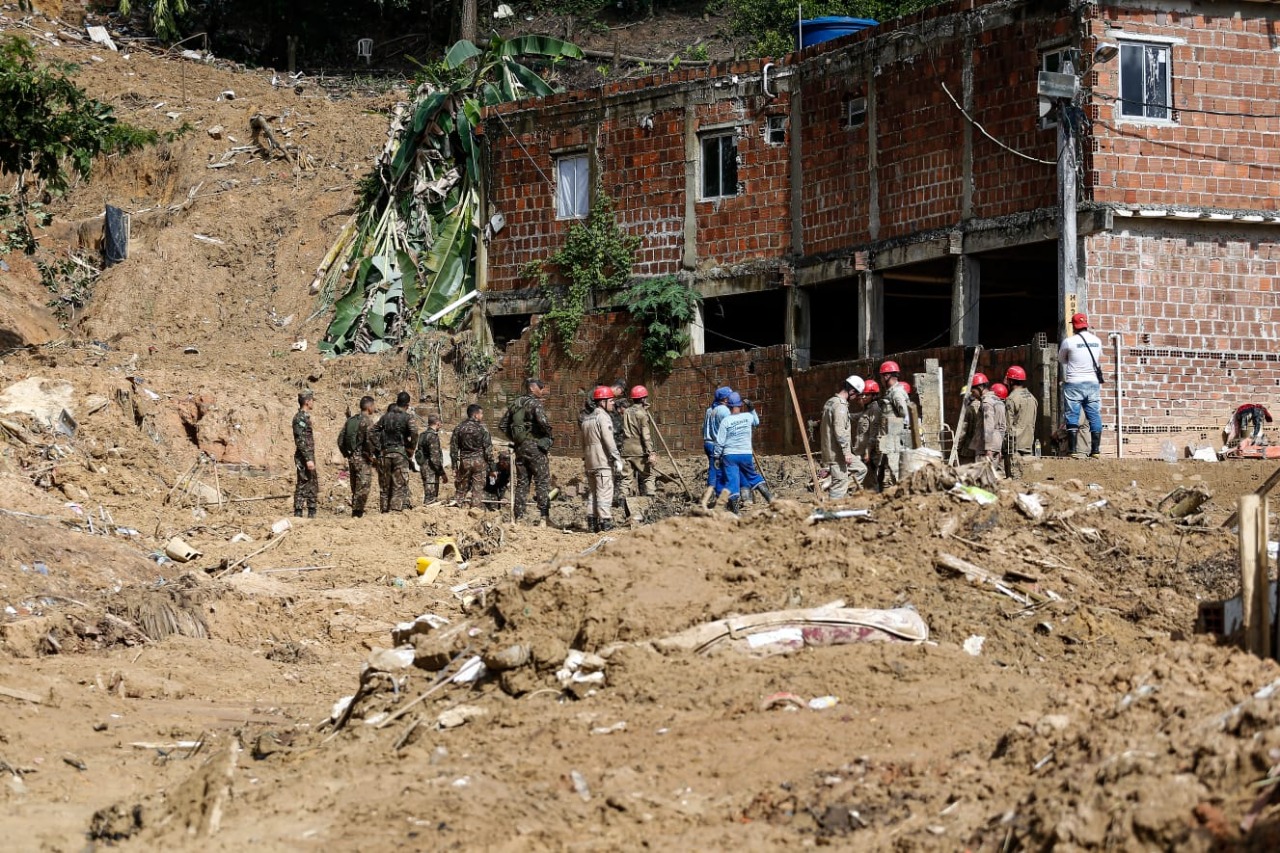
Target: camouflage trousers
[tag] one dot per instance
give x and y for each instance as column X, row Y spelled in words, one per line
column 306, row 488
column 638, row 470
column 395, row 482
column 532, row 465
column 361, row 473
column 472, row 473
column 430, row 485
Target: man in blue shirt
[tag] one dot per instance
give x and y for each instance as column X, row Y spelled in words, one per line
column 716, row 413
column 733, row 449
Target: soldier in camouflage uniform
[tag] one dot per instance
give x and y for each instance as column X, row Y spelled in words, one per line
column 526, row 424
column 399, row 440
column 306, row 489
column 430, row 460
column 362, row 462
column 471, row 449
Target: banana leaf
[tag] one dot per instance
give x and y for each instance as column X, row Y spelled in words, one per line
column 470, row 150
column 409, row 279
column 538, row 45
column 347, row 309
column 529, row 80
column 462, row 52
column 376, row 317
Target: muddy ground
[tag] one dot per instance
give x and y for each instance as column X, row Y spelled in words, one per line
column 192, row 705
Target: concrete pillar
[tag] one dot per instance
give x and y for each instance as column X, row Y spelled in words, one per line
column 698, row 332
column 692, row 151
column 870, row 314
column 796, row 139
column 928, row 387
column 966, row 287
column 799, row 331
column 873, row 156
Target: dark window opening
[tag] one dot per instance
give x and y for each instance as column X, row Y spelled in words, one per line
column 720, row 165
column 1019, row 294
column 508, row 328
column 917, row 305
column 833, row 321
column 855, row 112
column 745, row 321
column 776, row 130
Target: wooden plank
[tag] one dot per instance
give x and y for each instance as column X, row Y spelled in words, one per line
column 22, row 695
column 804, row 437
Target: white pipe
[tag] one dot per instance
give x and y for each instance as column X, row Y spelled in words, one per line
column 764, row 82
column 1116, row 342
column 457, row 303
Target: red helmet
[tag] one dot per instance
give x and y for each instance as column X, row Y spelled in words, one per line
column 1015, row 373
column 602, row 392
column 890, row 367
column 979, row 379
column 1079, row 321
column 639, row 392
column 871, row 387
column 906, row 386
column 1000, row 390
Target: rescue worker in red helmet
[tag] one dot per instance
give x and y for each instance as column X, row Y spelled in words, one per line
column 988, row 439
column 1000, row 390
column 1021, row 410
column 1081, row 358
column 866, row 433
column 600, row 459
column 638, row 451
column 895, row 410
column 836, row 440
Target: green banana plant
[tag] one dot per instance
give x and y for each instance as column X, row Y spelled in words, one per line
column 411, row 253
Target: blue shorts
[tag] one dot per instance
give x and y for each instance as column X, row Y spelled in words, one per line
column 740, row 472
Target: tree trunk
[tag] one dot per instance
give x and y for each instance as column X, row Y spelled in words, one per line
column 467, row 22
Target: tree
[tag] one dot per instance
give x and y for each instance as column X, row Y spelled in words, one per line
column 411, row 250
column 162, row 16
column 771, row 21
column 49, row 128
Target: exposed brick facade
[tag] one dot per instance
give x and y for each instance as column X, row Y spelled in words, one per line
column 910, row 180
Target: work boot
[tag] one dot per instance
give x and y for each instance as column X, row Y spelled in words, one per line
column 735, row 505
column 606, row 525
column 763, row 489
column 544, row 516
column 1095, row 445
column 591, row 524
column 708, row 497
column 311, row 512
column 1073, row 442
column 359, row 513
column 297, row 513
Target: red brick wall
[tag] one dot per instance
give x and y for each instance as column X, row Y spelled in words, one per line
column 1199, row 320
column 1227, row 64
column 679, row 399
column 643, row 170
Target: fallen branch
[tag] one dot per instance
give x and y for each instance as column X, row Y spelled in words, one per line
column 260, row 498
column 294, row 569
column 251, row 554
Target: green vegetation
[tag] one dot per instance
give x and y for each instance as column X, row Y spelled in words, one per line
column 596, row 255
column 162, row 16
column 771, row 21
column 410, row 251
column 661, row 310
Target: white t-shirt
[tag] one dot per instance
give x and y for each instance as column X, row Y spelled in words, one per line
column 1075, row 354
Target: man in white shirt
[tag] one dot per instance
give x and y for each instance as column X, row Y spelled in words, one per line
column 1080, row 356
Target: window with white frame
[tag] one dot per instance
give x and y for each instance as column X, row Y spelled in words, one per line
column 573, row 187
column 720, row 164
column 1145, row 81
column 775, row 132
column 855, row 111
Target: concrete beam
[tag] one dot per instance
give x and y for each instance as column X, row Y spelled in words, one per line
column 911, row 253
column 714, row 288
column 525, row 301
column 799, row 330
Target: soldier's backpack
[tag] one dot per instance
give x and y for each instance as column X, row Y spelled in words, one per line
column 347, row 437
column 515, row 423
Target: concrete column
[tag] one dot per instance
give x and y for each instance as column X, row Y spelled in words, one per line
column 873, row 157
column 870, row 314
column 966, row 131
column 799, row 330
column 698, row 332
column 797, row 160
column 966, row 287
column 692, row 151
column 929, row 389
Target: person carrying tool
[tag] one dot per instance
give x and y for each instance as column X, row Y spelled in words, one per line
column 896, row 411
column 600, row 459
column 837, row 439
column 526, row 424
column 716, row 412
column 733, row 450
column 1082, row 385
column 638, row 452
column 866, row 433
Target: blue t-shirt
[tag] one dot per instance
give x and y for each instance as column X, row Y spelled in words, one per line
column 734, row 436
column 711, row 421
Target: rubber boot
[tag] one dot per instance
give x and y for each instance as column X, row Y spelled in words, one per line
column 311, row 512
column 1074, row 441
column 1095, row 445
column 708, row 497
column 763, row 489
column 735, row 505
column 606, row 526
column 358, row 514
column 297, row 513
column 715, row 499
column 591, row 524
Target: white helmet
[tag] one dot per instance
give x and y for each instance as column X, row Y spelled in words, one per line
column 854, row 382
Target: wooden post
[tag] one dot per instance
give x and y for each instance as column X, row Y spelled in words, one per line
column 804, row 436
column 511, row 480
column 1254, row 591
column 654, row 425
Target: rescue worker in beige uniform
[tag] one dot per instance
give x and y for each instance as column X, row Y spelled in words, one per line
column 988, row 438
column 1021, row 409
column 837, row 440
column 895, row 410
column 600, row 459
column 638, row 452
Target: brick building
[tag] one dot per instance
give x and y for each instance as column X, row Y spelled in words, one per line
column 896, row 191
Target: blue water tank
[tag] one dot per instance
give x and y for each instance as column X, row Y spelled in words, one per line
column 817, row 30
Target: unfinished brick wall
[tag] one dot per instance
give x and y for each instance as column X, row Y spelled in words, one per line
column 1224, row 62
column 1199, row 319
column 679, row 399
